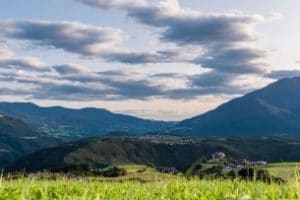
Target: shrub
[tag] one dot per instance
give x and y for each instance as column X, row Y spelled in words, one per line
column 141, row 170
column 259, row 175
column 247, row 174
column 113, row 172
column 80, row 168
column 232, row 174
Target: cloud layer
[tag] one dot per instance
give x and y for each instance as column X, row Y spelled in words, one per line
column 77, row 83
column 223, row 37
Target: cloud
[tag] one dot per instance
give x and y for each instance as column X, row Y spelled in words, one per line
column 202, row 29
column 210, row 79
column 88, row 40
column 68, row 92
column 69, row 69
column 67, row 82
column 5, row 54
column 9, row 60
column 122, row 4
column 162, row 56
column 217, row 40
column 184, row 26
column 70, row 36
column 4, row 91
column 121, row 85
column 279, row 74
column 221, row 35
column 238, row 60
column 134, row 89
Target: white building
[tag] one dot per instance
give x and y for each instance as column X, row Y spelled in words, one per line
column 218, row 156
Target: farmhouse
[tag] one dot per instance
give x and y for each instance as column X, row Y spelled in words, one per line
column 218, row 156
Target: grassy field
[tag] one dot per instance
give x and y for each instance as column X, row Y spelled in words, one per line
column 171, row 189
column 145, row 183
column 284, row 170
column 140, row 173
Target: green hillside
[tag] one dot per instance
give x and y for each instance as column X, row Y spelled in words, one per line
column 17, row 139
column 161, row 151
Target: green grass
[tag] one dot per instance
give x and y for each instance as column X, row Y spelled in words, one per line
column 133, row 168
column 140, row 173
column 283, row 170
column 172, row 189
column 152, row 185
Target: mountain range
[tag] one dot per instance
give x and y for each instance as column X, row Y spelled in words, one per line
column 79, row 123
column 273, row 110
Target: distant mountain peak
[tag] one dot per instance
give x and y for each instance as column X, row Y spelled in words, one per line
column 272, row 110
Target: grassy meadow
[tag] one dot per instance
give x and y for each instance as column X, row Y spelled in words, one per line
column 169, row 189
column 141, row 173
column 145, row 183
column 284, row 170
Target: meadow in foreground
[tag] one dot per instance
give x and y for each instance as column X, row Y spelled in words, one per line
column 169, row 189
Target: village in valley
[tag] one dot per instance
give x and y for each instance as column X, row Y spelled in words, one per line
column 229, row 164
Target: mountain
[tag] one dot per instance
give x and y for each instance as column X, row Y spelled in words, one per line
column 162, row 151
column 17, row 139
column 273, row 110
column 75, row 123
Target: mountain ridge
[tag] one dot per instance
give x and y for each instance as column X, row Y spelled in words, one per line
column 272, row 110
column 78, row 123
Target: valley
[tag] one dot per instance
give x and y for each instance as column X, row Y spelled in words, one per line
column 254, row 138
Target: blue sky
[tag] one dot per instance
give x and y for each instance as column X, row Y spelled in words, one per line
column 162, row 59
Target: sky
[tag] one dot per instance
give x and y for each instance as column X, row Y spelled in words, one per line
column 159, row 59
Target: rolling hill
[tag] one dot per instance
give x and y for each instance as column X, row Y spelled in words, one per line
column 78, row 123
column 17, row 139
column 273, row 110
column 161, row 151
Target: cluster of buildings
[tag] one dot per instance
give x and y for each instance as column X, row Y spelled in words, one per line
column 235, row 164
